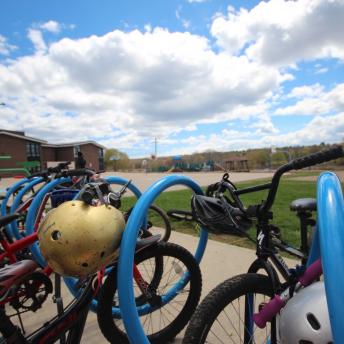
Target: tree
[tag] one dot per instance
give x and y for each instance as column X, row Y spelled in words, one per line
column 258, row 158
column 116, row 160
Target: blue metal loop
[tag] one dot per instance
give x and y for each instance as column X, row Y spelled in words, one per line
column 16, row 204
column 126, row 259
column 72, row 282
column 32, row 213
column 4, row 202
column 331, row 235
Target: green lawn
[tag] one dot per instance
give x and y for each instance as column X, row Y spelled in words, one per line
column 288, row 191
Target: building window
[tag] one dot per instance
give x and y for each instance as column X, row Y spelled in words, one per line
column 33, row 151
column 76, row 150
column 33, row 155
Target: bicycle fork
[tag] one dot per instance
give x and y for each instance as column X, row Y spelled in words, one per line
column 152, row 298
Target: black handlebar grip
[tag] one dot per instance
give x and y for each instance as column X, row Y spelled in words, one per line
column 63, row 165
column 78, row 172
column 316, row 158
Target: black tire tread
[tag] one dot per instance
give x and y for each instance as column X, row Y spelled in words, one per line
column 104, row 313
column 218, row 299
column 163, row 215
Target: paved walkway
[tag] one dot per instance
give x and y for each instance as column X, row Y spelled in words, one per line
column 144, row 180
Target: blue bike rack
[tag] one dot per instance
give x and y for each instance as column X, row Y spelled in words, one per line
column 32, row 213
column 31, row 218
column 70, row 281
column 4, row 202
column 127, row 304
column 331, row 236
column 16, row 203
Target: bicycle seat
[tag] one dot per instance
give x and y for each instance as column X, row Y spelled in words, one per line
column 15, row 273
column 5, row 220
column 304, row 204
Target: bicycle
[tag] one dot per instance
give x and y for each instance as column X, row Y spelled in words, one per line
column 244, row 308
column 72, row 319
column 23, row 195
column 162, row 316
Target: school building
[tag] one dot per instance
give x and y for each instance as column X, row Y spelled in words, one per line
column 21, row 148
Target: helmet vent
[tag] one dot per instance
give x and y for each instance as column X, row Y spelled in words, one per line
column 56, row 235
column 85, row 265
column 313, row 321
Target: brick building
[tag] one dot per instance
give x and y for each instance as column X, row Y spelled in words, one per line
column 22, row 148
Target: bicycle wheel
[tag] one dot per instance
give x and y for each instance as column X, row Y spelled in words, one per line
column 157, row 223
column 178, row 214
column 225, row 315
column 167, row 320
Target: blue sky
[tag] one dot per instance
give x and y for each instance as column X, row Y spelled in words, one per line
column 198, row 75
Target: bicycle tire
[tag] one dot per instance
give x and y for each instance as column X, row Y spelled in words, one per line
column 112, row 331
column 167, row 229
column 181, row 215
column 209, row 311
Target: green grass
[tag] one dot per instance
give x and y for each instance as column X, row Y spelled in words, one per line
column 285, row 219
column 296, row 174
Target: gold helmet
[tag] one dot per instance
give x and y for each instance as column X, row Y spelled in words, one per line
column 77, row 239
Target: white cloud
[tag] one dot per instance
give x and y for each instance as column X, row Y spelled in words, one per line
column 321, row 70
column 314, row 101
column 140, row 83
column 196, row 1
column 37, row 40
column 264, row 126
column 51, row 26
column 306, row 91
column 328, row 129
column 127, row 87
column 5, row 47
column 282, row 33
column 148, row 27
column 185, row 23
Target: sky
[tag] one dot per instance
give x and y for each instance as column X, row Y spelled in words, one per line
column 194, row 74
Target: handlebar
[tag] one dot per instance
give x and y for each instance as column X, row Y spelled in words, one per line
column 56, row 169
column 315, row 158
column 76, row 173
column 61, row 166
column 263, row 209
column 303, row 162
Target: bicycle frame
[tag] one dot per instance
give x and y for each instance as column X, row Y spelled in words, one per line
column 73, row 320
column 74, row 316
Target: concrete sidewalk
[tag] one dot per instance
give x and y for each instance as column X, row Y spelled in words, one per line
column 144, row 180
